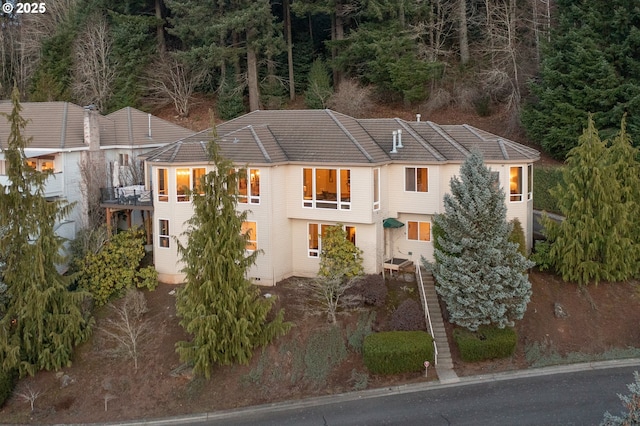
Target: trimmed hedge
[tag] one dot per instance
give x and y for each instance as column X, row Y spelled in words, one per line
column 545, row 178
column 486, row 343
column 7, row 383
column 395, row 352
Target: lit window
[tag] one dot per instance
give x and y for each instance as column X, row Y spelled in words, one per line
column 163, row 233
column 317, row 231
column 419, row 231
column 248, row 186
column 530, row 181
column 183, row 184
column 163, row 185
column 515, row 183
column 416, row 179
column 326, row 188
column 196, row 179
column 376, row 189
column 250, row 229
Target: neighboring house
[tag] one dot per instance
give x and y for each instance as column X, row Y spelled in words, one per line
column 64, row 135
column 383, row 179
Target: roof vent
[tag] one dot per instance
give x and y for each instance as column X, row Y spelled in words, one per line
column 418, row 117
column 400, row 139
column 395, row 138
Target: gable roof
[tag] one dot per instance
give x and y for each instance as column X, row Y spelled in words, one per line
column 325, row 136
column 60, row 125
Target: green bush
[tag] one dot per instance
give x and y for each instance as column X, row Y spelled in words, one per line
column 545, row 178
column 325, row 349
column 541, row 255
column 396, row 352
column 517, row 236
column 319, row 86
column 486, row 343
column 7, row 383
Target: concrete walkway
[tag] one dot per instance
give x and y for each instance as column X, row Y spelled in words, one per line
column 444, row 366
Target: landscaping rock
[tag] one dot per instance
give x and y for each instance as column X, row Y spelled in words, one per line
column 559, row 311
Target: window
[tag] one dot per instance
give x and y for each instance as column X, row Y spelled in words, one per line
column 250, row 229
column 183, row 177
column 416, row 179
column 376, row 189
column 419, row 231
column 326, row 188
column 196, row 179
column 123, row 159
column 248, row 186
column 41, row 164
column 163, row 185
column 163, row 233
column 315, row 233
column 515, row 183
column 530, row 181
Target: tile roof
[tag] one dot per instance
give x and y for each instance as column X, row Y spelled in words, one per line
column 325, row 136
column 60, row 125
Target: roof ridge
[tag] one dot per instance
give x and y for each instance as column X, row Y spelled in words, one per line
column 349, row 135
column 448, row 138
column 259, row 143
column 420, row 140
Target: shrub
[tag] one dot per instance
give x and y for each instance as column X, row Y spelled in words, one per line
column 363, row 329
column 396, row 352
column 408, row 316
column 351, row 99
column 373, row 290
column 7, row 383
column 319, row 86
column 325, row 349
column 486, row 343
column 541, row 255
column 544, row 179
column 517, row 236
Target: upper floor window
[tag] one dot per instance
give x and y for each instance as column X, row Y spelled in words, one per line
column 187, row 180
column 416, row 179
column 515, row 183
column 41, row 164
column 326, row 188
column 123, row 159
column 376, row 189
column 530, row 181
column 250, row 229
column 419, row 231
column 163, row 185
column 248, row 186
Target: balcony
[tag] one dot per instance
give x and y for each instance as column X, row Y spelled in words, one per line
column 134, row 195
column 53, row 186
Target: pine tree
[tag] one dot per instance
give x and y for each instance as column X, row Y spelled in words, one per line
column 593, row 243
column 43, row 321
column 218, row 306
column 631, row 403
column 480, row 274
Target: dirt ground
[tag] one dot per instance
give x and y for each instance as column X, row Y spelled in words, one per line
column 100, row 387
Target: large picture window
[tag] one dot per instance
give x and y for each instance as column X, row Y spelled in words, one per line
column 163, row 233
column 515, row 183
column 250, row 229
column 418, row 231
column 163, row 185
column 416, row 179
column 315, row 233
column 187, row 179
column 326, row 188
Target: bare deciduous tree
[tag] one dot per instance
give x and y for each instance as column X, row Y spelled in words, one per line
column 330, row 295
column 93, row 177
column 29, row 394
column 351, row 99
column 93, row 70
column 171, row 79
column 129, row 329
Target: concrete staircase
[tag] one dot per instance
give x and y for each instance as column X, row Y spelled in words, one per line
column 444, row 367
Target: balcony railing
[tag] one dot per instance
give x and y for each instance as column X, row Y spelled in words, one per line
column 134, row 195
column 53, row 186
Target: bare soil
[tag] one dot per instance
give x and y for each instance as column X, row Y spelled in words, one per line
column 102, row 387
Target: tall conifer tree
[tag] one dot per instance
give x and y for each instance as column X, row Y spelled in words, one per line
column 593, row 242
column 43, row 321
column 480, row 274
column 219, row 307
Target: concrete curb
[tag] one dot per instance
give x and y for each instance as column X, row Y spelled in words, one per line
column 375, row 393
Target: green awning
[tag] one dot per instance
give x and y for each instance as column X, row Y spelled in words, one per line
column 392, row 223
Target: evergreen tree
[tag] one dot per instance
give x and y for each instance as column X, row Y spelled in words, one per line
column 593, row 243
column 339, row 258
column 480, row 274
column 632, row 404
column 43, row 320
column 218, row 306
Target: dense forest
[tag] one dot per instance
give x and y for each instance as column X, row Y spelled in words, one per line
column 546, row 63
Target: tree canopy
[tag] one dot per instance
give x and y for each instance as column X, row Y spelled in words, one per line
column 480, row 274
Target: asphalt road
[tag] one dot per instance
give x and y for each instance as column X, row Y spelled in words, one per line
column 564, row 398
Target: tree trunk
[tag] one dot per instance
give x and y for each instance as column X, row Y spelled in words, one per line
column 162, row 45
column 252, row 79
column 337, row 34
column 462, row 32
column 287, row 25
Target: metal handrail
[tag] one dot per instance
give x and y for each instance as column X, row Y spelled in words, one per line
column 427, row 315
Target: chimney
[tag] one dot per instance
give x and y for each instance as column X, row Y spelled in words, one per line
column 91, row 128
column 395, row 136
column 399, row 139
column 418, row 117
